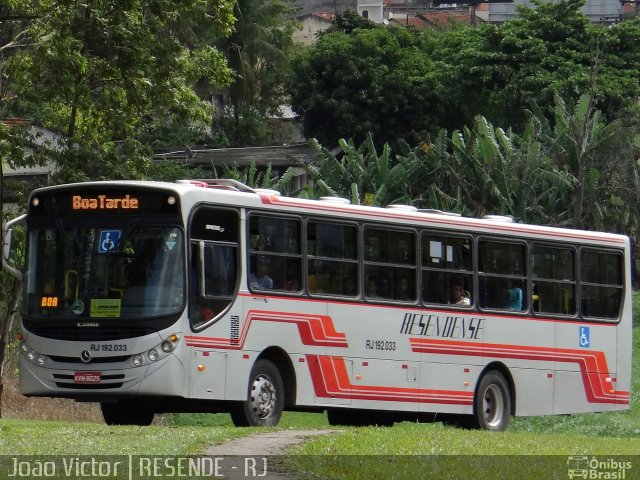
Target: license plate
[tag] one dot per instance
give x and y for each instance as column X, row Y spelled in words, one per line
column 87, row 377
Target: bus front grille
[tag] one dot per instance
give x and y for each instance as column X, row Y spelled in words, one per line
column 89, row 386
column 116, row 359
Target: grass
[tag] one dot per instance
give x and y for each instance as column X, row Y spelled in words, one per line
column 413, row 451
column 19, row 437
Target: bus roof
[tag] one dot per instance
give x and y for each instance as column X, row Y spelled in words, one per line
column 227, row 191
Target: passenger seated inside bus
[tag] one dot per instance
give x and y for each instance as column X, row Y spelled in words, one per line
column 403, row 290
column 350, row 288
column 372, row 288
column 292, row 283
column 514, row 297
column 259, row 278
column 458, row 295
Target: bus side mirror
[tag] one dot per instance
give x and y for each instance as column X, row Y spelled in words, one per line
column 10, row 248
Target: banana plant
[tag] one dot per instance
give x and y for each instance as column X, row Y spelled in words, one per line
column 256, row 178
column 599, row 158
column 360, row 174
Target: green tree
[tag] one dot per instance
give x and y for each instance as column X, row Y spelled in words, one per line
column 103, row 73
column 14, row 20
column 10, row 287
column 545, row 51
column 258, row 51
column 375, row 80
column 100, row 74
column 392, row 82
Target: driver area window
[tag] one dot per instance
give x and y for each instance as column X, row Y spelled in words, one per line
column 213, row 264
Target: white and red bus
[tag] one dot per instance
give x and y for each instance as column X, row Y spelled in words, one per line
column 208, row 296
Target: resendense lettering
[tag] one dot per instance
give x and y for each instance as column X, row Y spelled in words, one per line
column 445, row 326
column 103, row 202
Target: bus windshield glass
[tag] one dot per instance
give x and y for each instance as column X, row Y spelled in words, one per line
column 130, row 271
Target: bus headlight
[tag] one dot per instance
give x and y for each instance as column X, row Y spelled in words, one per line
column 32, row 355
column 167, row 346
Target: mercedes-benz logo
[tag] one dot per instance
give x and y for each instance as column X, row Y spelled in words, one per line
column 85, row 356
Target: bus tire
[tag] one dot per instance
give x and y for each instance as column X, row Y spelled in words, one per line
column 266, row 398
column 348, row 417
column 338, row 417
column 492, row 404
column 127, row 412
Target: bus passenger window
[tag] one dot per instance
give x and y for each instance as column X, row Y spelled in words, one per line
column 553, row 273
column 332, row 260
column 601, row 284
column 502, row 275
column 275, row 253
column 446, row 264
column 390, row 259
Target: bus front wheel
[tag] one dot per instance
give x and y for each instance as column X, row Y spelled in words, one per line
column 266, row 398
column 492, row 409
column 127, row 412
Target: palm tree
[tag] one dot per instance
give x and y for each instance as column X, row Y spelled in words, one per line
column 251, row 46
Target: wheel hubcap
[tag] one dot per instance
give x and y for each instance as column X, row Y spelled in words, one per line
column 493, row 405
column 263, row 396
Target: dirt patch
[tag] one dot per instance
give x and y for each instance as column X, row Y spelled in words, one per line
column 272, row 443
column 239, row 457
column 15, row 405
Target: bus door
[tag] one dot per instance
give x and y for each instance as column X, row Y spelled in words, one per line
column 215, row 315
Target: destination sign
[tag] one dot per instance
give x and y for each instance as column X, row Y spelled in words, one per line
column 49, row 302
column 104, row 202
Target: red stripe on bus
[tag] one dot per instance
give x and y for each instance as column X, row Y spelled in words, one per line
column 331, row 380
column 316, row 330
column 593, row 364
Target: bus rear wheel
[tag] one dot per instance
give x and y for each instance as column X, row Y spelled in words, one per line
column 266, row 398
column 492, row 409
column 127, row 412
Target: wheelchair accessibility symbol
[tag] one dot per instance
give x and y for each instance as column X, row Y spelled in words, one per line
column 109, row 240
column 584, row 337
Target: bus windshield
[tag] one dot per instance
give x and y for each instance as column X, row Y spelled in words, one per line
column 128, row 271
